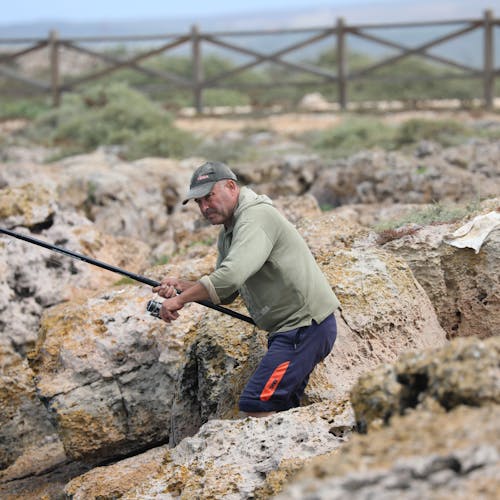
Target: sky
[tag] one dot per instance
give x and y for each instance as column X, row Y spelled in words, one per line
column 21, row 11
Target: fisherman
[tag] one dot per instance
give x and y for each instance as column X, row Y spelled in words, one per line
column 262, row 257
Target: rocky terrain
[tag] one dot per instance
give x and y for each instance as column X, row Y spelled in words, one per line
column 101, row 400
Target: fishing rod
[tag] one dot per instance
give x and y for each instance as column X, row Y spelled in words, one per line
column 153, row 307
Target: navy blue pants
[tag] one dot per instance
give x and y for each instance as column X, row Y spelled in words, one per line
column 282, row 375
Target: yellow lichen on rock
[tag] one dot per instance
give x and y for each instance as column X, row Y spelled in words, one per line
column 26, row 203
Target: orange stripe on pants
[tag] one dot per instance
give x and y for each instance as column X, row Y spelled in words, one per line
column 273, row 381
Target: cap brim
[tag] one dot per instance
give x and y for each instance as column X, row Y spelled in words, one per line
column 198, row 191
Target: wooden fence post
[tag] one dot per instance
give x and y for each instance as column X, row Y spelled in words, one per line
column 489, row 73
column 54, row 67
column 197, row 70
column 341, row 64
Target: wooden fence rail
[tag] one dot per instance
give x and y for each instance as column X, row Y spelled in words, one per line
column 338, row 75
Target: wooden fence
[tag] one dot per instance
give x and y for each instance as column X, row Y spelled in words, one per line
column 339, row 75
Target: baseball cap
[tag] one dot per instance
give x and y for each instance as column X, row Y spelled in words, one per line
column 204, row 178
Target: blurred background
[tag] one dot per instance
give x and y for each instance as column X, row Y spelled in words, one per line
column 193, row 58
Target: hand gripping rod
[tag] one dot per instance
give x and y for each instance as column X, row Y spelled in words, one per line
column 136, row 277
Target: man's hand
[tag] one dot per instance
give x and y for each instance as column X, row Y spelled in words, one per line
column 169, row 287
column 169, row 308
column 190, row 291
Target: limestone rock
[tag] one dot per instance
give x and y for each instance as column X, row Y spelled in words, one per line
column 378, row 176
column 288, row 175
column 477, row 156
column 315, row 102
column 219, row 362
column 440, row 439
column 421, row 455
column 15, row 173
column 465, row 372
column 29, row 206
column 369, row 215
column 34, row 278
column 332, row 230
column 187, row 231
column 295, row 208
column 225, row 459
column 35, row 483
column 106, row 370
column 117, row 381
column 24, row 421
column 463, row 286
column 123, row 199
column 384, row 311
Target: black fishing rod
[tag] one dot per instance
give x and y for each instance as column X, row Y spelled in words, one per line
column 153, row 307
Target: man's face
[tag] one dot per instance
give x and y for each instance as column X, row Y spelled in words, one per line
column 218, row 205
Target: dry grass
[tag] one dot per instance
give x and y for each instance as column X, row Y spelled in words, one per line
column 394, row 234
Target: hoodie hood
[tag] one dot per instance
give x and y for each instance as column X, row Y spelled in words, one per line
column 249, row 198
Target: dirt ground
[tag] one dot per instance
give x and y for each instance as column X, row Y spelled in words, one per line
column 11, row 126
column 290, row 124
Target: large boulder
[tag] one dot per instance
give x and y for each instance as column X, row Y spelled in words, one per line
column 422, row 455
column 295, row 208
column 123, row 199
column 107, row 370
column 24, row 422
column 281, row 176
column 430, row 451
column 432, row 419
column 219, row 361
column 464, row 372
column 35, row 278
column 29, row 205
column 463, row 285
column 95, row 362
column 391, row 177
column 384, row 311
column 226, row 459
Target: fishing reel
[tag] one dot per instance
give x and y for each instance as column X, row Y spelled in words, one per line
column 153, row 307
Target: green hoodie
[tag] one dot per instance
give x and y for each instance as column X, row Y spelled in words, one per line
column 263, row 257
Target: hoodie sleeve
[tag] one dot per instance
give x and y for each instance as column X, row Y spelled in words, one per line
column 250, row 248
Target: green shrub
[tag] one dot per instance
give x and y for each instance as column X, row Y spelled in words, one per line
column 446, row 132
column 358, row 133
column 161, row 260
column 229, row 152
column 23, row 108
column 436, row 213
column 112, row 115
column 164, row 141
column 224, row 97
column 353, row 135
column 174, row 97
column 125, row 281
column 405, row 80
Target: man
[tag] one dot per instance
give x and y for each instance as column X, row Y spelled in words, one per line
column 262, row 257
